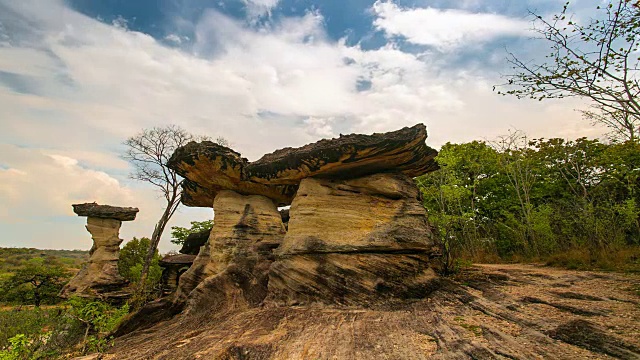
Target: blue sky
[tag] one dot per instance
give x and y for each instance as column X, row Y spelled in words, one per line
column 77, row 77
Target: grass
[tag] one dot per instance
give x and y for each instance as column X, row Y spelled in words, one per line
column 475, row 329
column 28, row 321
column 625, row 259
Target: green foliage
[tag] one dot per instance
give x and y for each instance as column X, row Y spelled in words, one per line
column 82, row 324
column 38, row 281
column 180, row 234
column 131, row 261
column 535, row 199
column 27, row 321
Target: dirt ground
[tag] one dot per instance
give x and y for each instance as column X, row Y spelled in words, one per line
column 488, row 312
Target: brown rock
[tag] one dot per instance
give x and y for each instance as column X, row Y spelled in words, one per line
column 233, row 265
column 355, row 241
column 105, row 211
column 210, row 168
column 348, row 156
column 99, row 278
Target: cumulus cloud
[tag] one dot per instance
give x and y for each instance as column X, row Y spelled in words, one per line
column 78, row 87
column 444, row 29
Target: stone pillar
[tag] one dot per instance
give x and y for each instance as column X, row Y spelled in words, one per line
column 99, row 277
column 237, row 257
column 358, row 241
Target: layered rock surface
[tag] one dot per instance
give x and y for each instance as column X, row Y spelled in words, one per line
column 210, row 168
column 233, row 265
column 356, row 241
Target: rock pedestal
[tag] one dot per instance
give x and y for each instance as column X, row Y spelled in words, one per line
column 358, row 241
column 233, row 266
column 99, row 278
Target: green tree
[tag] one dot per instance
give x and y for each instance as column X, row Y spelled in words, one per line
column 131, row 262
column 596, row 59
column 36, row 282
column 180, row 234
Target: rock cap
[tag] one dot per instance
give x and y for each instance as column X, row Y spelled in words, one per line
column 105, row 211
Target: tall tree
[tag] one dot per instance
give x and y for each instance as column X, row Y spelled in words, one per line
column 36, row 282
column 148, row 152
column 596, row 60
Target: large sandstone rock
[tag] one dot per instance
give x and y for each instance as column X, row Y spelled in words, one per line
column 210, row 168
column 356, row 241
column 99, row 278
column 232, row 267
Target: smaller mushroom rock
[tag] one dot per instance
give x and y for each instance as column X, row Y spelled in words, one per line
column 99, row 277
column 105, row 211
column 173, row 266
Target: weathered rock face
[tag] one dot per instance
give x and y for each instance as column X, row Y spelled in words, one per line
column 210, row 168
column 232, row 268
column 99, row 278
column 356, row 241
column 105, row 211
column 350, row 156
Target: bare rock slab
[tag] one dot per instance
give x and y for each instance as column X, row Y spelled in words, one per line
column 105, row 211
column 355, row 241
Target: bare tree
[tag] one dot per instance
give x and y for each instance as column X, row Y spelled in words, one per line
column 148, row 152
column 597, row 61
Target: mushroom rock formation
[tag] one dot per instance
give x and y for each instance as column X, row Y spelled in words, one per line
column 233, row 265
column 357, row 231
column 358, row 241
column 99, row 277
column 173, row 266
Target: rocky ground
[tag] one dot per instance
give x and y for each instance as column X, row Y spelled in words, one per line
column 489, row 312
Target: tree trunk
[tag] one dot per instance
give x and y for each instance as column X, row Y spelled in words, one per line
column 155, row 240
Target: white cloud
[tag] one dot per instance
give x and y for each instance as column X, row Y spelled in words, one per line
column 285, row 84
column 444, row 29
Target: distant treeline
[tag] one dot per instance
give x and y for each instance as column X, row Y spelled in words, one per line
column 572, row 202
column 15, row 258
